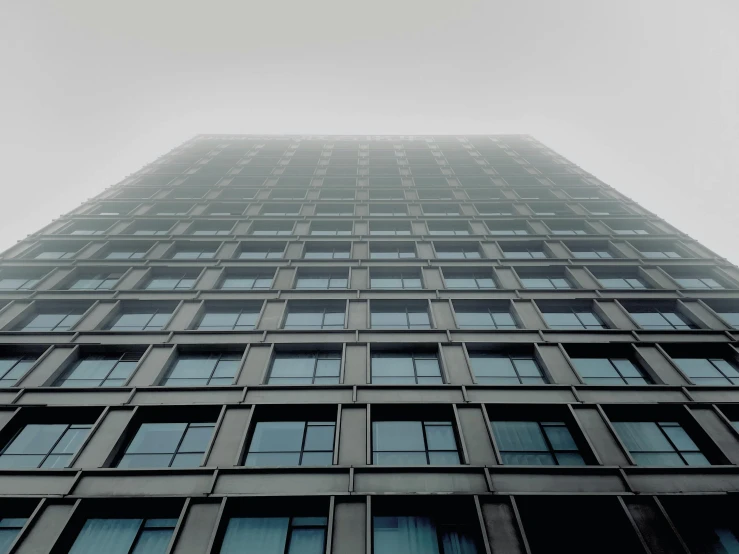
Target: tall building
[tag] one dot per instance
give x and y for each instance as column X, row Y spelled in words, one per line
column 367, row 344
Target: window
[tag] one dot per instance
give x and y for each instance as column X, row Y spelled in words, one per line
column 609, row 371
column 414, row 443
column 698, row 283
column 406, row 368
column 496, row 208
column 59, row 319
column 395, row 279
column 247, row 280
column 443, row 228
column 621, row 282
column 489, row 315
column 469, row 250
column 168, row 445
column 324, row 315
column 9, row 529
column 282, row 208
column 56, row 252
column 292, row 443
column 14, row 368
column 181, row 280
column 659, row 318
column 571, row 318
column 327, row 251
column 567, row 228
column 590, row 253
column 421, row 534
column 440, row 209
column 144, row 320
column 659, row 254
column 172, row 209
column 466, row 279
column 534, row 281
column 261, row 251
column 124, row 536
column 390, row 228
column 305, row 368
column 537, row 443
column 335, row 209
column 664, row 443
column 226, row 209
column 524, row 252
column 730, row 317
column 19, row 281
column 212, row 228
column 150, row 228
column 392, row 251
column 195, row 253
column 96, row 281
column 272, row 228
column 709, row 371
column 275, row 535
column 200, row 370
column 405, row 315
column 230, row 318
column 44, row 445
column 125, row 254
column 506, row 369
column 507, row 228
column 388, row 210
column 331, row 228
column 326, row 279
column 388, row 194
column 100, row 370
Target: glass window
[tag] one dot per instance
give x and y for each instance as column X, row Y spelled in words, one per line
column 406, row 368
column 409, row 316
column 13, row 368
column 483, row 316
column 62, row 320
column 659, row 254
column 9, row 529
column 168, row 445
column 97, row 281
column 591, row 253
column 622, row 283
column 153, row 320
column 230, row 319
column 315, row 316
column 395, row 279
column 124, row 536
column 414, row 443
column 327, row 252
column 732, row 318
column 392, row 228
column 331, row 228
column 172, row 281
column 9, row 281
column 538, row 443
column 305, row 368
column 391, row 251
column 502, row 369
column 574, row 318
column 44, row 445
column 200, row 370
column 655, row 318
column 100, row 370
column 322, row 280
column 247, row 280
column 464, row 279
column 275, row 535
column 469, row 251
column 652, row 443
column 276, row 228
column 709, row 371
column 420, row 535
column 558, row 283
column 609, row 371
column 698, row 283
column 205, row 253
column 55, row 255
column 125, row 254
column 440, row 228
column 292, row 443
column 519, row 253
column 261, row 252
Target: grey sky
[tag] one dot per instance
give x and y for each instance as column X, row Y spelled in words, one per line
column 642, row 93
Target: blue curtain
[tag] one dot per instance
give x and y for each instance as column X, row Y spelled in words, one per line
column 112, row 536
column 255, row 535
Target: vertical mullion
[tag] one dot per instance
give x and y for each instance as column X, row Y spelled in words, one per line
column 289, row 536
column 425, row 442
column 552, row 451
column 54, row 445
column 315, row 368
column 138, row 536
column 179, row 443
column 302, row 443
column 215, row 367
column 675, row 448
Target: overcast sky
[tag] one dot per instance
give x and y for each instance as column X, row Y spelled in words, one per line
column 642, row 93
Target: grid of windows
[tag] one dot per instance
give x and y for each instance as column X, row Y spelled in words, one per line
column 100, row 370
column 292, row 443
column 709, row 371
column 200, row 370
column 168, row 445
column 414, row 443
column 609, row 371
column 536, row 443
column 124, row 536
column 502, row 369
column 406, row 368
column 44, row 445
column 664, row 443
column 305, row 368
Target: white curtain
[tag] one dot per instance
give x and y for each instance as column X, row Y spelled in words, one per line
column 457, row 543
column 255, row 535
column 405, row 535
column 112, row 536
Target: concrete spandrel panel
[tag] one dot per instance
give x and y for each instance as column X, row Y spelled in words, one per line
column 540, row 481
column 350, row 529
column 185, row 397
column 309, row 337
column 587, row 336
column 307, row 482
column 421, row 481
column 714, row 394
column 46, row 529
column 66, row 397
column 501, row 527
column 420, row 394
column 705, row 336
column 199, row 524
column 7, row 397
column 121, row 338
column 34, row 338
column 683, row 481
column 401, row 336
column 144, row 484
column 499, row 337
column 622, row 394
column 515, row 395
column 308, row 394
column 16, row 484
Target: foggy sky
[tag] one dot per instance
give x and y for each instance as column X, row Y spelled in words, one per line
column 642, row 93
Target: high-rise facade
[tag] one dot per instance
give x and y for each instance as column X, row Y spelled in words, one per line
column 367, row 344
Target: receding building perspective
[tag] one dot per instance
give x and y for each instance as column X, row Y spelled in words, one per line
column 367, row 345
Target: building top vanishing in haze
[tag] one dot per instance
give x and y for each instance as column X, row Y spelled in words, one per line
column 367, row 344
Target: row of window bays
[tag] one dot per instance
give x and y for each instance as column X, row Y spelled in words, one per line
column 335, row 247
column 375, row 276
column 354, row 434
column 324, row 312
column 224, row 364
column 377, row 524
